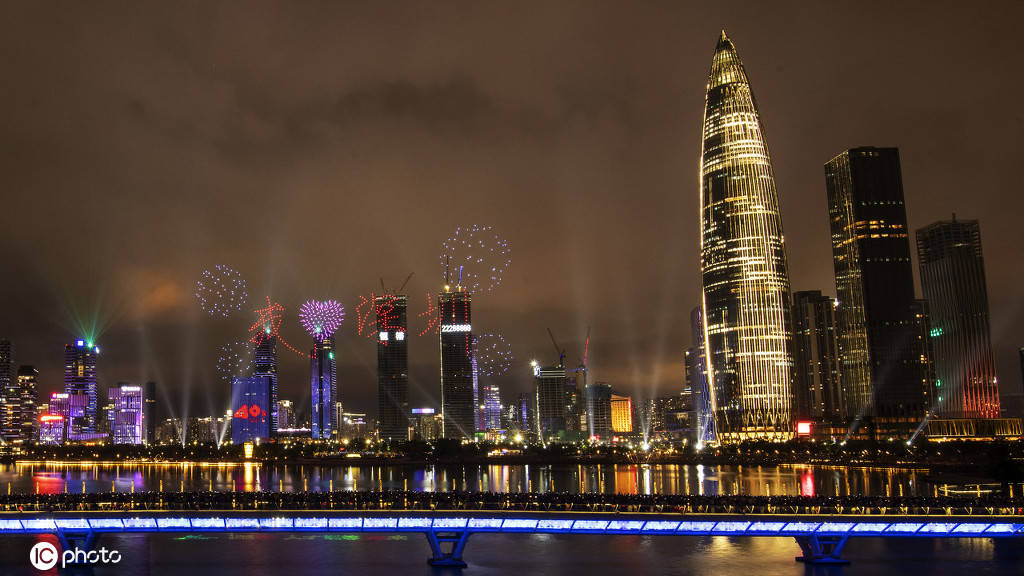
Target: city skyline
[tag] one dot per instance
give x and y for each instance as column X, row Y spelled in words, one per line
column 634, row 130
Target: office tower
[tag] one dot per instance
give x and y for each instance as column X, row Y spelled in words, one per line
column 621, row 412
column 126, row 414
column 953, row 283
column 875, row 290
column 491, row 401
column 10, row 399
column 426, row 425
column 392, row 367
column 264, row 363
column 743, row 263
column 456, row 341
column 28, row 391
column 549, row 388
column 700, row 389
column 598, row 397
column 80, row 380
column 250, row 408
column 149, row 416
column 572, row 398
column 817, row 389
column 323, row 374
column 525, row 412
column 285, row 415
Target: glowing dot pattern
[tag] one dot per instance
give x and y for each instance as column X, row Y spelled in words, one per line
column 321, row 319
column 268, row 325
column 475, row 258
column 235, row 360
column 432, row 316
column 221, row 291
column 492, row 353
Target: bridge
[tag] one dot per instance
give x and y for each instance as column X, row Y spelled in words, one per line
column 820, row 538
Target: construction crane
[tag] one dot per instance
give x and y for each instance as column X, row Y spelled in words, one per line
column 400, row 288
column 558, row 349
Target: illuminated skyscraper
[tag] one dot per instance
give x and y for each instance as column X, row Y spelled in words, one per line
column 392, row 367
column 598, row 397
column 10, row 400
column 80, row 381
column 250, row 409
column 456, row 341
column 953, row 283
column 743, row 263
column 323, row 370
column 549, row 387
column 265, row 364
column 877, row 317
column 622, row 413
column 126, row 414
column 28, row 389
column 817, row 388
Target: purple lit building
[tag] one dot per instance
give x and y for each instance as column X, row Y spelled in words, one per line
column 80, row 384
column 250, row 409
column 127, row 414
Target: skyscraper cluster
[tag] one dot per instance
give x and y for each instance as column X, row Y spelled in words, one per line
column 873, row 362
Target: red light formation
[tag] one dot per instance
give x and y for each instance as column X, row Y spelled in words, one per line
column 268, row 324
column 432, row 315
column 252, row 412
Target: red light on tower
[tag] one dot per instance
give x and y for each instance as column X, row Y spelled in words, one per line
column 803, row 428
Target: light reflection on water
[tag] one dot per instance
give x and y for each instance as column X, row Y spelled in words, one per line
column 619, row 478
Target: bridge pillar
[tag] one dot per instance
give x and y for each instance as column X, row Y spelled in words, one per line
column 81, row 539
column 822, row 549
column 452, row 557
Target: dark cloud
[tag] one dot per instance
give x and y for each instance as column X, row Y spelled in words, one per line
column 319, row 146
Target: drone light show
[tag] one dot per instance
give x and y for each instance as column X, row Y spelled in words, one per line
column 268, row 325
column 493, row 354
column 321, row 319
column 221, row 291
column 235, row 359
column 475, row 258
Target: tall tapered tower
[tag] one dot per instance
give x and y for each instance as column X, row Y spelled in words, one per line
column 743, row 263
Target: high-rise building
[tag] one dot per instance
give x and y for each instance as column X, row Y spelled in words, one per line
column 456, row 342
column 598, row 397
column 126, row 414
column 323, row 375
column 392, row 367
column 285, row 415
column 744, row 274
column 10, row 398
column 953, row 283
column 28, row 390
column 879, row 351
column 622, row 413
column 80, row 380
column 149, row 416
column 549, row 388
column 51, row 429
column 491, row 401
column 817, row 388
column 250, row 408
column 265, row 364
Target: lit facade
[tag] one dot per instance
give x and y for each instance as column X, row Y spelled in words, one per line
column 744, row 273
column 621, row 413
column 598, row 397
column 250, row 409
column 880, row 352
column 953, row 282
column 817, row 387
column 126, row 414
column 286, row 415
column 28, row 391
column 51, row 429
column 80, row 380
column 10, row 399
column 323, row 374
column 392, row 366
column 457, row 374
column 549, row 389
column 265, row 364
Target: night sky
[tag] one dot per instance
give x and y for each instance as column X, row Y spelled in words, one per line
column 317, row 147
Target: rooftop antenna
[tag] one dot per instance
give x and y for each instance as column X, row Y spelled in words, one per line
column 460, row 276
